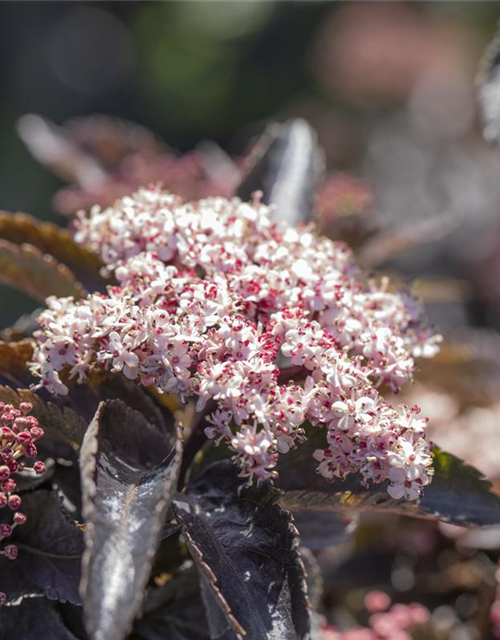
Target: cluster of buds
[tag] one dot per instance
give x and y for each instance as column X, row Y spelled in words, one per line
column 386, row 623
column 18, row 433
column 273, row 327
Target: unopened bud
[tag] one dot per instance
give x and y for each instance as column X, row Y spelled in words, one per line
column 19, row 518
column 14, row 502
column 10, row 552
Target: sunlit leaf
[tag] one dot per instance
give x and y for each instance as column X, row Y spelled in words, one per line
column 246, row 549
column 129, row 471
column 26, row 268
column 286, row 165
column 20, row 228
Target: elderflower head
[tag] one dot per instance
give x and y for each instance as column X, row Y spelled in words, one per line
column 267, row 327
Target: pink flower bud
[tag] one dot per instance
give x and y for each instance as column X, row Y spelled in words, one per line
column 25, row 407
column 10, row 552
column 7, row 434
column 3, row 598
column 36, row 432
column 30, row 451
column 14, row 502
column 21, row 424
column 19, row 518
column 5, row 530
column 31, row 422
column 9, row 485
column 7, row 417
column 24, row 437
column 39, row 467
column 4, row 472
column 3, row 500
column 13, row 466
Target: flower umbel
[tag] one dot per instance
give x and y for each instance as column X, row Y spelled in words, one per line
column 18, row 433
column 273, row 326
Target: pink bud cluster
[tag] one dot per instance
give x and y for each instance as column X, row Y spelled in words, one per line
column 18, row 434
column 268, row 328
column 392, row 624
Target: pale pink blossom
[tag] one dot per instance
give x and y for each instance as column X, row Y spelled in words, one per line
column 268, row 326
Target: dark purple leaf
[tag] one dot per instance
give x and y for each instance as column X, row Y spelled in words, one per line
column 50, row 550
column 129, row 472
column 286, row 166
column 33, row 619
column 50, row 239
column 458, row 493
column 246, row 548
column 320, row 529
column 174, row 611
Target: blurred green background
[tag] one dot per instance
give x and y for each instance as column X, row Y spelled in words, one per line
column 204, row 70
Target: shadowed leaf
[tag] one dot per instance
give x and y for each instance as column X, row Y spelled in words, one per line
column 246, row 548
column 14, row 358
column 320, row 529
column 26, row 268
column 286, row 166
column 20, row 228
column 33, row 619
column 50, row 550
column 129, row 471
column 174, row 610
column 391, row 244
column 467, row 367
column 458, row 493
column 23, row 328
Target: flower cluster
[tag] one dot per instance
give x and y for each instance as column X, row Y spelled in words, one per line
column 18, row 434
column 267, row 327
column 391, row 624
